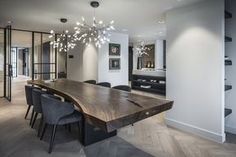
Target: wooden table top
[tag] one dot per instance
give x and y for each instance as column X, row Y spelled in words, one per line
column 106, row 108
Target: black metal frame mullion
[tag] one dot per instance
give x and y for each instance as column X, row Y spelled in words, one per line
column 32, row 57
column 10, row 75
column 5, row 61
column 56, row 59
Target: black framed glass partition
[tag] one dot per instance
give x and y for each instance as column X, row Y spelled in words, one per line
column 25, row 53
column 45, row 57
column 1, row 62
column 7, row 63
column 21, row 54
column 14, row 61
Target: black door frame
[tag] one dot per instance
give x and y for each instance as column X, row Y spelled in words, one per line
column 7, row 63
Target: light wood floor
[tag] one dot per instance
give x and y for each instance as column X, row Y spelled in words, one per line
column 150, row 137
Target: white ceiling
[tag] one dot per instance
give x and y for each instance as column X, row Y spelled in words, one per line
column 138, row 18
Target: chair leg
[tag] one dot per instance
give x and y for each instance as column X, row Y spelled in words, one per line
column 32, row 116
column 52, row 138
column 35, row 117
column 40, row 126
column 27, row 112
column 43, row 132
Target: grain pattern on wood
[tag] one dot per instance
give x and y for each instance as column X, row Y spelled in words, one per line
column 109, row 109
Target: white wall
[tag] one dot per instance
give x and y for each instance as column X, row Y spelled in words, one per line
column 115, row 77
column 84, row 65
column 159, row 52
column 92, row 63
column 195, row 68
column 230, row 70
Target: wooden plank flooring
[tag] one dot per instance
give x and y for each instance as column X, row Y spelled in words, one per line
column 150, row 137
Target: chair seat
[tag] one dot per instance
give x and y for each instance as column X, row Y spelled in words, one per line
column 72, row 118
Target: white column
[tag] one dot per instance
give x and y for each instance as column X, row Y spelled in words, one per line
column 159, row 52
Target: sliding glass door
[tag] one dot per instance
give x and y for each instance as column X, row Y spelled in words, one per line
column 7, row 63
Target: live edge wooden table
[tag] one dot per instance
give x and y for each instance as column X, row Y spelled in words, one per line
column 104, row 110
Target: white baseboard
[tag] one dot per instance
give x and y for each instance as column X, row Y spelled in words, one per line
column 195, row 130
column 230, row 129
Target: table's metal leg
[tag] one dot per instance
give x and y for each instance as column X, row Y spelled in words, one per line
column 92, row 134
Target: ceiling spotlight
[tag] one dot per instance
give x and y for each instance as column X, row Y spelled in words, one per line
column 125, row 30
column 161, row 22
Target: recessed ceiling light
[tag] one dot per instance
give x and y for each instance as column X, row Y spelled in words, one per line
column 161, row 22
column 161, row 33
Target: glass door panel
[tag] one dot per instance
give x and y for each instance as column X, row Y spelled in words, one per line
column 1, row 62
column 7, row 63
column 44, row 57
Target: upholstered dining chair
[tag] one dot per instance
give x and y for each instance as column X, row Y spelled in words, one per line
column 36, row 96
column 56, row 112
column 123, row 88
column 90, row 81
column 28, row 95
column 29, row 101
column 104, row 84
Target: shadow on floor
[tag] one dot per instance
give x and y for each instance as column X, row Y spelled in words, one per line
column 230, row 138
column 112, row 147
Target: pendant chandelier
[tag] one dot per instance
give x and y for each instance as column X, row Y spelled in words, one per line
column 63, row 42
column 141, row 49
column 97, row 33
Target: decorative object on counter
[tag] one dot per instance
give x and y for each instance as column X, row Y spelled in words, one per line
column 114, row 49
column 143, row 86
column 227, row 61
column 114, row 64
column 162, row 82
column 64, row 41
column 98, row 32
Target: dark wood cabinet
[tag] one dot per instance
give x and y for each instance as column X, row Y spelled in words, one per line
column 152, row 84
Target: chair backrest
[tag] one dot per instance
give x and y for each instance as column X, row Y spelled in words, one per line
column 123, row 88
column 28, row 94
column 104, row 84
column 36, row 96
column 54, row 109
column 90, row 81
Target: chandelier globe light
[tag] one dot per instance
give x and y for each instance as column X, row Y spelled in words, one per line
column 64, row 41
column 97, row 32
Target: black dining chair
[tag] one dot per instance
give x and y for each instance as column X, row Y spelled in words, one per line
column 56, row 112
column 28, row 95
column 36, row 95
column 90, row 81
column 29, row 100
column 104, row 84
column 123, row 88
